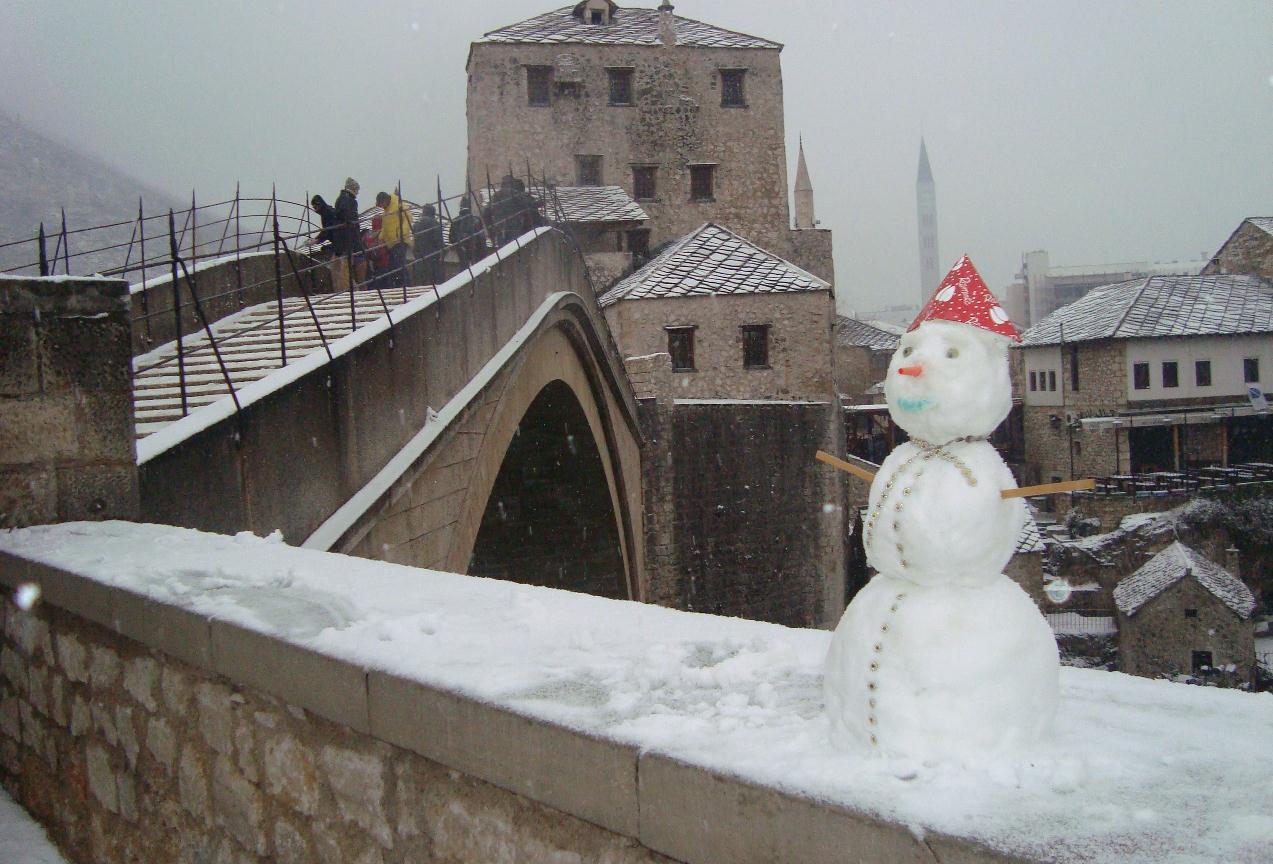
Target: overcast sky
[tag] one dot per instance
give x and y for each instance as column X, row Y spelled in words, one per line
column 1101, row 130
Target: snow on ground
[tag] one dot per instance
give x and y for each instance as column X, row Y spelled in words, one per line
column 22, row 840
column 1136, row 770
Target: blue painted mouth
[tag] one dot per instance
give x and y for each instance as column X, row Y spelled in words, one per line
column 913, row 404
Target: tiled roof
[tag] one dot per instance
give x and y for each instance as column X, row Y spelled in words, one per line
column 852, row 332
column 712, row 260
column 1029, row 540
column 1216, row 305
column 584, row 204
column 628, row 27
column 1170, row 566
column 1264, row 223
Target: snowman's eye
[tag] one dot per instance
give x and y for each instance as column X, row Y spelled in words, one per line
column 952, row 353
column 906, row 352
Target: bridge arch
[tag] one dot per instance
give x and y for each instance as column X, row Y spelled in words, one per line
column 556, row 380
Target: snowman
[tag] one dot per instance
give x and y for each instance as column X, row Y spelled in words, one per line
column 941, row 657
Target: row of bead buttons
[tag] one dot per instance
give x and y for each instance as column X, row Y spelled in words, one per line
column 871, row 684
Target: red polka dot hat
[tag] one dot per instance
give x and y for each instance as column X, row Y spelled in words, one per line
column 963, row 297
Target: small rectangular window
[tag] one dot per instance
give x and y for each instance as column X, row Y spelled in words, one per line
column 1251, row 370
column 1170, row 373
column 702, row 182
column 588, row 170
column 1052, row 380
column 733, row 93
column 1191, row 613
column 620, row 86
column 680, row 344
column 1034, row 380
column 539, row 85
column 1074, row 369
column 1202, row 373
column 596, row 17
column 755, row 346
column 1140, row 376
column 643, row 182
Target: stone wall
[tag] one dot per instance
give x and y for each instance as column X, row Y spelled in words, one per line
column 225, row 286
column 811, row 250
column 858, row 368
column 137, row 731
column 676, row 119
column 66, row 407
column 740, row 519
column 1159, row 640
column 800, row 339
column 1249, row 251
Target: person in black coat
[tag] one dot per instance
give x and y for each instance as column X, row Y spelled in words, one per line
column 427, row 231
column 466, row 236
column 346, row 239
column 328, row 220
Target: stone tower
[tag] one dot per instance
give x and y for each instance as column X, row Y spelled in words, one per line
column 926, row 208
column 804, row 195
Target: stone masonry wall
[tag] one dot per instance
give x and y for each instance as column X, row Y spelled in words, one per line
column 66, row 408
column 676, row 119
column 126, row 754
column 800, row 338
column 1159, row 640
column 1249, row 251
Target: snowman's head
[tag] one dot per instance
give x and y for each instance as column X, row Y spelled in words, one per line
column 948, row 381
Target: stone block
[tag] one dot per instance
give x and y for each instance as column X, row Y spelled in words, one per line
column 104, row 720
column 177, row 690
column 161, row 742
column 34, row 637
column 10, row 722
column 128, row 741
column 127, row 789
column 73, row 657
column 192, row 785
column 169, row 629
column 331, row 688
column 290, row 846
column 19, row 363
column 699, row 817
column 38, row 688
column 291, row 773
column 101, row 778
column 588, row 777
column 141, row 680
column 28, row 496
column 357, row 781
column 104, row 667
column 13, row 670
column 38, row 430
column 96, row 492
column 215, row 715
column 239, row 806
column 85, row 353
column 81, row 717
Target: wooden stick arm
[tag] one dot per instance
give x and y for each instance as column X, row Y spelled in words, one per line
column 1023, row 492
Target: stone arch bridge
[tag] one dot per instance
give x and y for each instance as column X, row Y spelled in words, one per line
column 484, row 428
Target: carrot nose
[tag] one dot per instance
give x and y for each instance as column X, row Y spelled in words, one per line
column 911, row 370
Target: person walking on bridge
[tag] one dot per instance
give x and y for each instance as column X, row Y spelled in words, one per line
column 395, row 234
column 428, row 246
column 466, row 235
column 346, row 239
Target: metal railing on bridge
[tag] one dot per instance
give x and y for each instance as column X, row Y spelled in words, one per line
column 176, row 245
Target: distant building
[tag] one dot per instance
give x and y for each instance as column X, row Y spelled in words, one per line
column 1040, row 288
column 930, row 272
column 737, row 321
column 862, row 354
column 1248, row 250
column 1182, row 614
column 1148, row 375
column 686, row 116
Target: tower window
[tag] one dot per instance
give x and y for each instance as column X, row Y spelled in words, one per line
column 1251, row 370
column 1140, row 376
column 1034, row 380
column 755, row 346
column 680, row 344
column 1052, row 380
column 588, row 170
column 597, row 17
column 539, row 85
column 1202, row 373
column 702, row 182
column 1074, row 369
column 733, row 93
column 1191, row 613
column 643, row 182
column 1170, row 373
column 620, row 86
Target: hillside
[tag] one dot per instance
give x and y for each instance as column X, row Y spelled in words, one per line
column 40, row 176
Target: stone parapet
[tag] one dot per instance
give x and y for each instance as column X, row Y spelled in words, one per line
column 187, row 741
column 66, row 408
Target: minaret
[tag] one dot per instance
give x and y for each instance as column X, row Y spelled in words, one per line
column 926, row 207
column 804, row 194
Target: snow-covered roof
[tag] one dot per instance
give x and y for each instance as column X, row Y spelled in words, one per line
column 1264, row 223
column 713, row 260
column 1029, row 540
column 1170, row 566
column 581, row 204
column 627, row 27
column 1156, row 306
column 855, row 333
column 1133, row 269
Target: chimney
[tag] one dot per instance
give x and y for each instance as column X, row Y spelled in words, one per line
column 667, row 24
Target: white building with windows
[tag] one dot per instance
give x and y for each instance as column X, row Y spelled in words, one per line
column 1151, row 374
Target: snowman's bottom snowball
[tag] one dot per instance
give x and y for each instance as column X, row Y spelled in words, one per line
column 952, row 673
